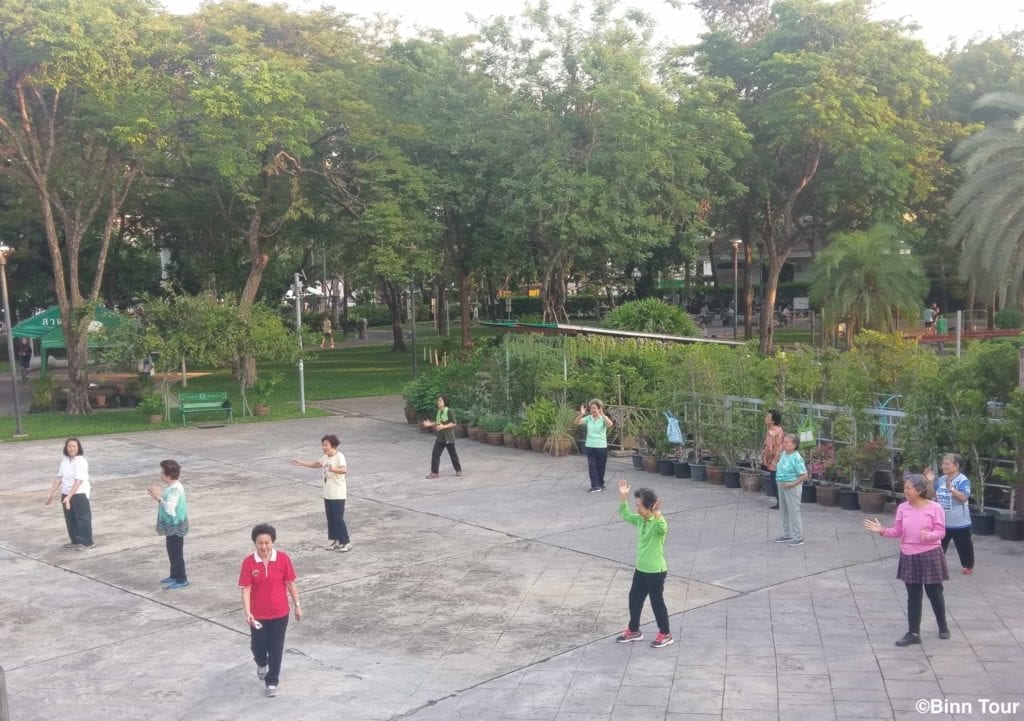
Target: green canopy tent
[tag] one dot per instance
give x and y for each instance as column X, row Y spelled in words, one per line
column 46, row 326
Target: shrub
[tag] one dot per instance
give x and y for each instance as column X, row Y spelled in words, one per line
column 651, row 316
column 44, row 395
column 421, row 394
column 1009, row 318
column 152, row 404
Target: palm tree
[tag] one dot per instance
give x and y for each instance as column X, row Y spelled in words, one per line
column 866, row 276
column 988, row 208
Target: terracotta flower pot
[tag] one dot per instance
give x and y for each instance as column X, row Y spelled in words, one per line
column 872, row 501
column 496, row 439
column 716, row 475
column 522, row 443
column 410, row 415
column 510, row 440
column 154, row 419
column 473, row 432
column 828, row 495
column 751, row 481
column 261, row 409
column 537, row 443
column 650, row 463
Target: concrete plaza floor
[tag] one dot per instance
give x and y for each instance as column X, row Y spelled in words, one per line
column 495, row 595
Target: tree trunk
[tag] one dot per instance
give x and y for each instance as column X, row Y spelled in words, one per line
column 767, row 334
column 441, row 297
column 76, row 338
column 714, row 272
column 393, row 297
column 748, row 291
column 552, row 292
column 465, row 318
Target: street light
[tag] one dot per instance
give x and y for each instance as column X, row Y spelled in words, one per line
column 735, row 284
column 6, row 250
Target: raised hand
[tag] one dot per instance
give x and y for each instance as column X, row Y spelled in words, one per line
column 583, row 410
column 656, row 508
column 872, row 525
column 624, row 488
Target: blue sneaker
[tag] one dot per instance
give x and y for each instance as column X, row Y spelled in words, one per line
column 165, row 581
column 177, row 585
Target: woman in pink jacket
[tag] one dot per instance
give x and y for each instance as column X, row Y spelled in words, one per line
column 920, row 526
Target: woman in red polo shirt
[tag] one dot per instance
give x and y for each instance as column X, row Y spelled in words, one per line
column 267, row 579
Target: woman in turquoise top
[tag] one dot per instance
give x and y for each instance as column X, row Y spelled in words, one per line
column 790, row 474
column 172, row 521
column 597, row 424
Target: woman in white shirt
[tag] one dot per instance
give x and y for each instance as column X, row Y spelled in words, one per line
column 332, row 464
column 73, row 482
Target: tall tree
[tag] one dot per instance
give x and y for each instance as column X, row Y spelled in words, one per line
column 838, row 106
column 84, row 91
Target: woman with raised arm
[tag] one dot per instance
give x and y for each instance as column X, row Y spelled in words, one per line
column 596, row 445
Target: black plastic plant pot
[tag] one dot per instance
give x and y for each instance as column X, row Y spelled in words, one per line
column 1010, row 529
column 665, row 467
column 848, row 500
column 983, row 524
column 682, row 469
column 698, row 472
column 808, row 493
column 638, row 461
column 732, row 479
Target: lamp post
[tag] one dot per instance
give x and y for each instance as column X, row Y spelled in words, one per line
column 298, row 331
column 735, row 284
column 6, row 250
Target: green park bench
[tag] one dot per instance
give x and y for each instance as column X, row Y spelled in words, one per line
column 216, row 402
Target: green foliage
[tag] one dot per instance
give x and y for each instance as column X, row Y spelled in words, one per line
column 539, row 418
column 421, row 393
column 44, row 394
column 651, row 315
column 1009, row 318
column 860, row 461
column 264, row 386
column 491, row 423
column 867, row 277
column 152, row 404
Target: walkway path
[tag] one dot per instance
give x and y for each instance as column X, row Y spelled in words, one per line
column 491, row 596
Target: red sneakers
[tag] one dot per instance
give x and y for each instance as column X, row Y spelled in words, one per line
column 628, row 636
column 662, row 640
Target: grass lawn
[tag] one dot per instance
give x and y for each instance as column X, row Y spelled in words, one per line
column 353, row 372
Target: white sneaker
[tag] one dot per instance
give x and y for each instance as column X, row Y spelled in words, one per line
column 272, row 691
column 344, row 547
column 261, row 672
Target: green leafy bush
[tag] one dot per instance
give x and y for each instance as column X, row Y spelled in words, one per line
column 651, row 315
column 539, row 418
column 1009, row 318
column 421, row 394
column 44, row 395
column 152, row 404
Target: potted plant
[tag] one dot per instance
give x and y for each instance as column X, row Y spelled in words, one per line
column 472, row 426
column 562, row 436
column 647, row 438
column 509, row 435
column 152, row 406
column 522, row 437
column 261, row 391
column 538, row 420
column 492, row 430
column 421, row 398
column 821, row 462
column 860, row 463
column 726, row 439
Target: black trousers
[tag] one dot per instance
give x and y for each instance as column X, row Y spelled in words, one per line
column 597, row 461
column 336, row 528
column 938, row 601
column 644, row 585
column 964, row 544
column 435, row 457
column 268, row 646
column 176, row 555
column 78, row 519
column 771, row 486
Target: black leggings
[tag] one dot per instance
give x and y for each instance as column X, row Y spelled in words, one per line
column 644, row 585
column 267, row 645
column 938, row 601
column 964, row 545
column 597, row 460
column 176, row 555
column 435, row 457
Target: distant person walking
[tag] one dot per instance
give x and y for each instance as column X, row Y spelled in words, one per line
column 444, row 423
column 920, row 526
column 651, row 567
column 362, row 323
column 790, row 474
column 73, row 482
column 952, row 492
column 24, row 354
column 597, row 425
column 172, row 521
column 928, row 318
column 335, row 471
column 267, row 579
column 772, row 451
column 328, row 332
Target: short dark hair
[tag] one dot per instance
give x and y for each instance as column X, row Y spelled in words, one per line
column 647, row 497
column 776, row 417
column 332, row 439
column 263, row 528
column 81, row 451
column 171, row 467
column 444, row 399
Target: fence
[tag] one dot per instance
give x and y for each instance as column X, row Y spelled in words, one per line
column 745, row 418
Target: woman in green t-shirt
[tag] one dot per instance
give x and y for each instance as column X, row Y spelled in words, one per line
column 597, row 425
column 444, row 423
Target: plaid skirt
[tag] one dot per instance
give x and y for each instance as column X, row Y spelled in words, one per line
column 927, row 567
